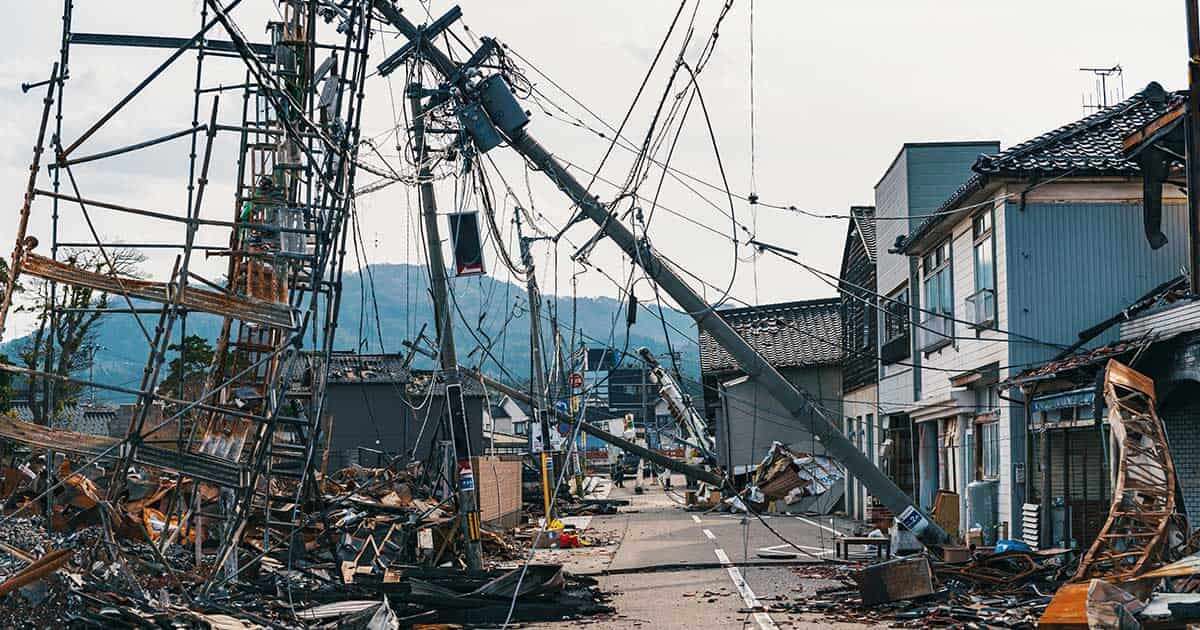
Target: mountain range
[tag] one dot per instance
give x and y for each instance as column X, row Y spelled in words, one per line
column 488, row 313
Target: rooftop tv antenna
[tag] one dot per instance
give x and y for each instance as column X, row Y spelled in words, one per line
column 1102, row 76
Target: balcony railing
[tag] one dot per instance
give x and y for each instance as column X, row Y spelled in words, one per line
column 935, row 331
column 981, row 308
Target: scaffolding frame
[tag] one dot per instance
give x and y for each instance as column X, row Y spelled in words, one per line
column 254, row 428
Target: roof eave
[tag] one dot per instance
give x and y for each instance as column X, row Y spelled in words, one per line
column 918, row 240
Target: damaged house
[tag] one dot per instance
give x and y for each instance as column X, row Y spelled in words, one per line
column 800, row 339
column 378, row 408
column 1070, row 449
column 1045, row 239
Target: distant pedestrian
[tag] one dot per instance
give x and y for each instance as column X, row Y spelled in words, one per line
column 619, row 476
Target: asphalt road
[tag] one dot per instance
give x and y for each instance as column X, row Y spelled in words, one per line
column 669, row 568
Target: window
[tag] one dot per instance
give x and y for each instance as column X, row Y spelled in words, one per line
column 937, row 323
column 895, row 321
column 519, row 427
column 948, row 454
column 988, row 448
column 895, row 326
column 982, row 302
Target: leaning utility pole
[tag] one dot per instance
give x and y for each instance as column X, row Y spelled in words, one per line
column 1193, row 143
column 537, row 373
column 454, row 415
column 507, row 118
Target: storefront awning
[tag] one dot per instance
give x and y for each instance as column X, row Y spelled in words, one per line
column 1045, row 412
column 1062, row 400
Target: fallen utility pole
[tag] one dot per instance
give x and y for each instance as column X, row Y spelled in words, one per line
column 799, row 405
column 454, row 415
column 701, row 474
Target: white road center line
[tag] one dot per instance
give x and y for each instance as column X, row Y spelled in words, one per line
column 709, row 534
column 763, row 620
column 696, row 518
column 816, row 524
column 820, row 551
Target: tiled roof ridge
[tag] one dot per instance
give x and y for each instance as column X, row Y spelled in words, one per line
column 1069, row 130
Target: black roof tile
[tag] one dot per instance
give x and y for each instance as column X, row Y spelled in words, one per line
column 792, row 334
column 1090, row 146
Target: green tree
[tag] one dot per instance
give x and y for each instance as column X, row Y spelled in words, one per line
column 65, row 328
column 187, row 369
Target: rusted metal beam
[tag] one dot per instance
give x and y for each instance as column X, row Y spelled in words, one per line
column 1143, row 498
column 245, row 309
column 42, row 567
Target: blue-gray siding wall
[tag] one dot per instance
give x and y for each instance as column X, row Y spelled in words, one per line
column 936, row 171
column 755, row 419
column 1073, row 265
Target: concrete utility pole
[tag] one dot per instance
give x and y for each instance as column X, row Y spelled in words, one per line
column 1193, row 143
column 799, row 404
column 537, row 371
column 454, row 415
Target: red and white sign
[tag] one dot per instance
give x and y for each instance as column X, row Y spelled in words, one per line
column 575, row 380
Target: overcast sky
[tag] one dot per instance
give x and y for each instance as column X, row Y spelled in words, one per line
column 838, row 88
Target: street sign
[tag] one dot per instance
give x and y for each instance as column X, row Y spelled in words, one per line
column 575, row 380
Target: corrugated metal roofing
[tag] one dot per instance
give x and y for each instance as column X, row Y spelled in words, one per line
column 790, row 334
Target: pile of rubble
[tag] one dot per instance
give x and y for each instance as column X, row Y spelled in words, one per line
column 995, row 590
column 379, row 550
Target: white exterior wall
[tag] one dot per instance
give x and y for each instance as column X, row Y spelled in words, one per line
column 971, row 350
column 861, row 407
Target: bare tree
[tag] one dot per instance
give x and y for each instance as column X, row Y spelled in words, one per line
column 66, row 318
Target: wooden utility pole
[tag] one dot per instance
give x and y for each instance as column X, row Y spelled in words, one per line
column 454, row 414
column 1193, row 143
column 537, row 373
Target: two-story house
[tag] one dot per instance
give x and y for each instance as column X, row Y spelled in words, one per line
column 1044, row 240
column 915, row 184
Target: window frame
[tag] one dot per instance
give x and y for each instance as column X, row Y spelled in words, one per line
column 987, row 451
column 937, row 270
column 895, row 325
column 983, row 235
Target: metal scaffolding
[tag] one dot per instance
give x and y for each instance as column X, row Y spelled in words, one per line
column 252, row 430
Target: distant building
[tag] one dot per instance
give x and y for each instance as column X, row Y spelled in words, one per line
column 917, row 182
column 508, row 417
column 90, row 418
column 380, row 409
column 800, row 339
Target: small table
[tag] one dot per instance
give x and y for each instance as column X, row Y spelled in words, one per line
column 883, row 546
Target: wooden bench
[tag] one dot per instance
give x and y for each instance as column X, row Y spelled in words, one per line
column 883, row 546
